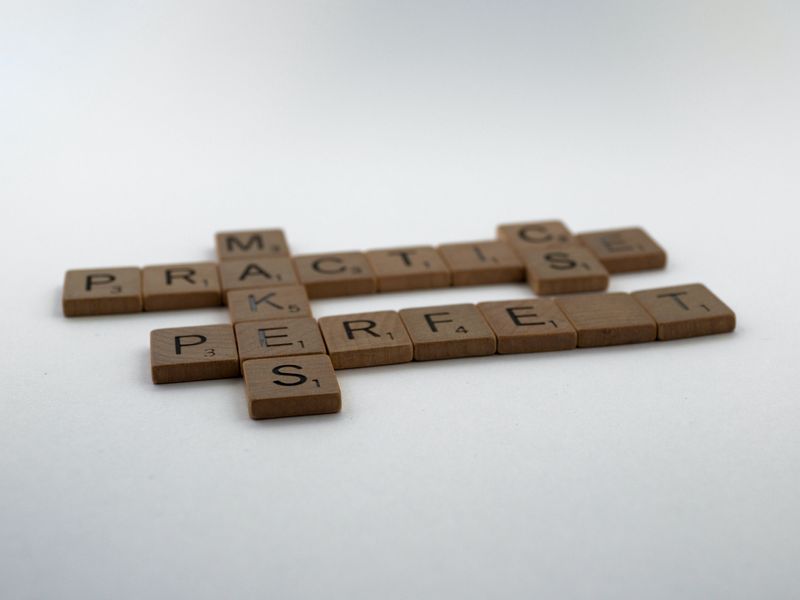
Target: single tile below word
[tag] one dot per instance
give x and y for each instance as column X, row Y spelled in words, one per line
column 260, row 243
column 608, row 319
column 565, row 270
column 452, row 331
column 256, row 273
column 103, row 291
column 279, row 337
column 366, row 339
column 624, row 250
column 189, row 285
column 193, row 353
column 291, row 387
column 684, row 311
column 282, row 302
column 479, row 263
column 414, row 268
column 534, row 235
column 535, row 325
column 335, row 274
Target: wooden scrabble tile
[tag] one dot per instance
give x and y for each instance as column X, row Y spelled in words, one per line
column 193, row 353
column 565, row 270
column 451, row 331
column 190, row 285
column 608, row 319
column 291, row 387
column 103, row 291
column 278, row 337
column 282, row 302
column 684, row 311
column 535, row 325
column 624, row 250
column 335, row 274
column 478, row 263
column 269, row 243
column 408, row 268
column 534, row 235
column 366, row 339
column 256, row 273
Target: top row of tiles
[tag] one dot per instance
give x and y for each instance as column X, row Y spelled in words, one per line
column 545, row 252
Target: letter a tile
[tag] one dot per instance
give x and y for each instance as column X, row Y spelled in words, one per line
column 256, row 273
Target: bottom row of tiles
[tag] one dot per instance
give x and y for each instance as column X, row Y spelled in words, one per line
column 288, row 364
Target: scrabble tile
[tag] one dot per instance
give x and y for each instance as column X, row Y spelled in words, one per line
column 193, row 353
column 256, row 273
column 565, row 270
column 624, row 250
column 535, row 325
column 684, row 311
column 478, row 263
column 366, row 339
column 408, row 268
column 282, row 302
column 190, row 285
column 291, row 387
column 278, row 337
column 534, row 235
column 103, row 291
column 608, row 319
column 335, row 274
column 266, row 243
column 451, row 331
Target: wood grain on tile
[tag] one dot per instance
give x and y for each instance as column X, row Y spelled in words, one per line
column 177, row 286
column 193, row 353
column 533, row 235
column 335, row 274
column 366, row 339
column 535, row 325
column 412, row 268
column 278, row 337
column 624, row 250
column 565, row 270
column 608, row 319
column 282, row 302
column 291, row 387
column 256, row 273
column 684, row 311
column 452, row 331
column 102, row 291
column 479, row 263
column 266, row 243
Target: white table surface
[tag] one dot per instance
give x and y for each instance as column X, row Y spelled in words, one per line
column 130, row 133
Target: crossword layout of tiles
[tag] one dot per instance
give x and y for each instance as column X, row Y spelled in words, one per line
column 288, row 359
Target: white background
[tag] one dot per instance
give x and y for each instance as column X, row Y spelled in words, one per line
column 130, row 133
